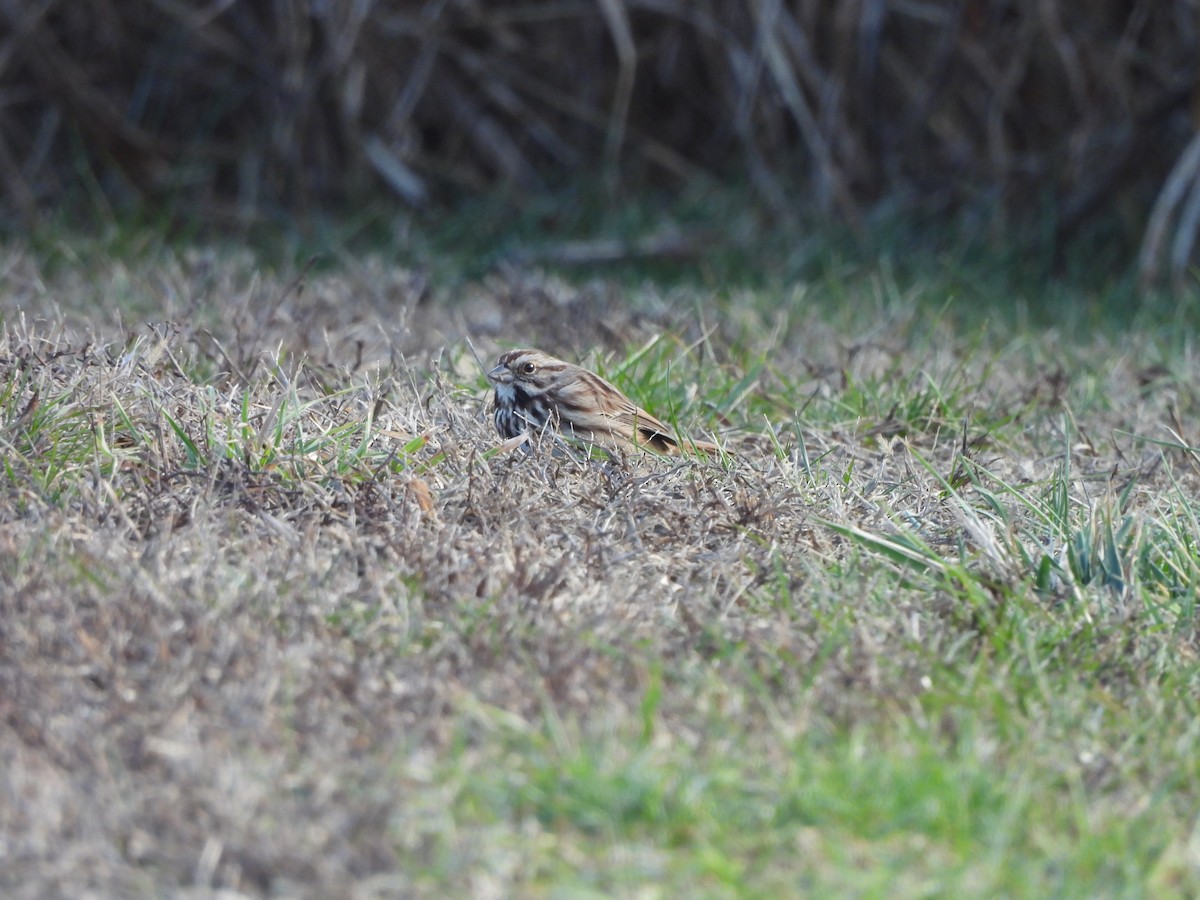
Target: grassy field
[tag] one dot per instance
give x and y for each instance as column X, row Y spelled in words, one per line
column 276, row 618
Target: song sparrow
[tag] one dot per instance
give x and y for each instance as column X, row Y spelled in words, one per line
column 535, row 391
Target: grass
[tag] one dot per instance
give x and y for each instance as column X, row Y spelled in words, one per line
column 277, row 618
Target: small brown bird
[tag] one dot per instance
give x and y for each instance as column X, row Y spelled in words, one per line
column 535, row 392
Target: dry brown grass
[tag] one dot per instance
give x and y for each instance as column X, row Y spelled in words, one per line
column 241, row 109
column 274, row 619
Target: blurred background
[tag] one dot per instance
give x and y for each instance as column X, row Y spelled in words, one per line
column 1047, row 124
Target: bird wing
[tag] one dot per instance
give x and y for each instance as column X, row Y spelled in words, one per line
column 648, row 430
column 609, row 411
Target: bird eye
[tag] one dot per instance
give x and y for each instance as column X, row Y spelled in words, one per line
column 528, row 369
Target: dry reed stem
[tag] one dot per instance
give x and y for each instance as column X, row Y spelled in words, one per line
column 293, row 106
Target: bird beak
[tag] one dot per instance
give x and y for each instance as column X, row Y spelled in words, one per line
column 500, row 375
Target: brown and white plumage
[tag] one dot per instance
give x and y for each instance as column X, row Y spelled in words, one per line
column 535, row 391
